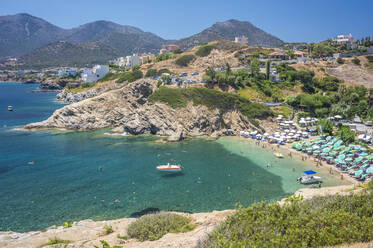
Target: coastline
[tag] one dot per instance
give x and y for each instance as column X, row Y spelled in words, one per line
column 87, row 233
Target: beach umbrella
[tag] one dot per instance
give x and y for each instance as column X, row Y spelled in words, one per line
column 309, row 149
column 363, row 149
column 329, row 157
column 326, row 149
column 348, row 159
column 316, row 152
column 370, row 157
column 364, row 154
column 358, row 173
column 358, row 159
column 370, row 170
column 350, row 155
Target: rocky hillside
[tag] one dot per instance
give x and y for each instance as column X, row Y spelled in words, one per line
column 64, row 53
column 129, row 110
column 22, row 33
column 228, row 30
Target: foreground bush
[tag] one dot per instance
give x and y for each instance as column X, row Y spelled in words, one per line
column 154, row 226
column 322, row 221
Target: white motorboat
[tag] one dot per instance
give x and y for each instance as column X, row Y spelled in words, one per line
column 278, row 155
column 309, row 178
column 170, row 168
column 10, row 108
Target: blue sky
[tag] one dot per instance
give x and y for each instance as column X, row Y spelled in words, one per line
column 290, row 20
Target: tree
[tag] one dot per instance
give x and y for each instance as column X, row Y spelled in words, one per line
column 268, row 69
column 327, row 127
column 255, row 68
column 166, row 78
column 346, row 134
column 210, row 74
column 151, row 73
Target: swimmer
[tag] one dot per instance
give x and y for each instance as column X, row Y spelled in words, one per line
column 101, row 168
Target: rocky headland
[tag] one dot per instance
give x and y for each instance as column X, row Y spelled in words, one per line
column 128, row 110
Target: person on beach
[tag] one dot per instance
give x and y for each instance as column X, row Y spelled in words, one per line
column 319, row 184
column 341, row 176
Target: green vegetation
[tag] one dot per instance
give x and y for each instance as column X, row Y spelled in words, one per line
column 356, row 61
column 327, row 127
column 56, row 241
column 165, row 56
column 185, row 60
column 346, row 134
column 130, row 76
column 321, row 221
column 67, row 224
column 110, row 76
column 151, row 73
column 340, row 61
column 154, row 226
column 122, row 237
column 108, row 229
column 213, row 99
column 205, row 50
column 369, row 58
column 106, row 245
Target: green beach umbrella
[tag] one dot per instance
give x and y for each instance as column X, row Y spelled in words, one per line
column 370, row 170
column 358, row 160
column 348, row 159
column 329, row 157
column 364, row 154
column 309, row 149
column 316, row 152
column 363, row 149
column 350, row 155
column 370, row 157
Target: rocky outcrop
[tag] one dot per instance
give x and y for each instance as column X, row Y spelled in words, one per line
column 53, row 85
column 127, row 109
column 69, row 97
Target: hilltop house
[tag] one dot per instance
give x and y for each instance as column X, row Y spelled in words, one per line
column 94, row 74
column 132, row 60
column 169, row 48
column 241, row 40
column 344, row 39
column 67, row 72
column 277, row 55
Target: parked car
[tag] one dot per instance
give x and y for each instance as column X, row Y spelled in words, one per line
column 368, row 123
column 184, row 74
column 195, row 74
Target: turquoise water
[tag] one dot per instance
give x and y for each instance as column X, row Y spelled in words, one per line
column 65, row 183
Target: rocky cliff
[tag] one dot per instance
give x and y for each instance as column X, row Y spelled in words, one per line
column 128, row 110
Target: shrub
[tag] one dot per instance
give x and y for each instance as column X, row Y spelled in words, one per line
column 356, row 61
column 204, row 50
column 319, row 222
column 154, row 226
column 151, row 73
column 108, row 77
column 369, row 58
column 130, row 76
column 67, row 224
column 108, row 229
column 164, row 70
column 185, row 60
column 56, row 241
column 106, row 245
column 87, row 85
column 165, row 56
column 340, row 61
column 122, row 237
column 213, row 99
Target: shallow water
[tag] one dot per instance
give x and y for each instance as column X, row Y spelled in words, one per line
column 66, row 184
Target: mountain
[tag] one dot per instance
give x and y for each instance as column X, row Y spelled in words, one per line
column 228, row 30
column 28, row 37
column 22, row 33
column 64, row 53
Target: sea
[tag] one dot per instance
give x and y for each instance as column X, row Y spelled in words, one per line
column 50, row 177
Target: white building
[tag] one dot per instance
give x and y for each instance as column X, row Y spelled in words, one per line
column 68, row 72
column 348, row 39
column 95, row 74
column 133, row 60
column 241, row 40
column 120, row 61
